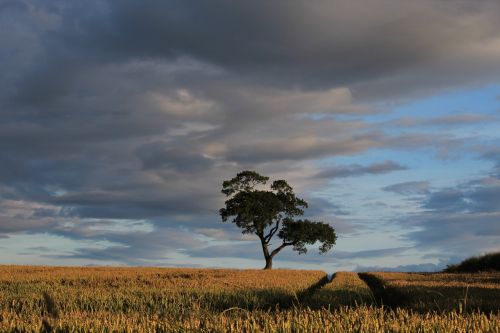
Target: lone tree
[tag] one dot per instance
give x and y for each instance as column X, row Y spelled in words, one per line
column 267, row 213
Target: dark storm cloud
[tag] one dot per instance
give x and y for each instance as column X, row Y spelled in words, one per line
column 301, row 44
column 156, row 155
column 359, row 170
column 127, row 110
column 315, row 43
column 85, row 152
column 12, row 7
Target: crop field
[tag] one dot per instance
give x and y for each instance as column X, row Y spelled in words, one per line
column 345, row 289
column 105, row 299
column 438, row 291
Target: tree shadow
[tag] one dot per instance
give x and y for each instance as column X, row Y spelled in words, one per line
column 384, row 294
column 262, row 299
column 439, row 298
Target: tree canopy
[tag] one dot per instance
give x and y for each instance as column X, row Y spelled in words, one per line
column 268, row 212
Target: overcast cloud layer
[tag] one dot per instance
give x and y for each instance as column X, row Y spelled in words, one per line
column 121, row 119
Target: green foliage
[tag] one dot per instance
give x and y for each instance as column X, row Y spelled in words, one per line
column 244, row 181
column 252, row 211
column 487, row 262
column 304, row 232
column 269, row 212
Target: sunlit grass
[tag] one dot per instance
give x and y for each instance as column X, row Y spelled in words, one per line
column 443, row 291
column 211, row 300
column 345, row 289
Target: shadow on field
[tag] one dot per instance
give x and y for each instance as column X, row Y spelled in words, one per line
column 384, row 294
column 265, row 299
column 332, row 298
column 442, row 298
column 251, row 299
column 313, row 288
column 447, row 298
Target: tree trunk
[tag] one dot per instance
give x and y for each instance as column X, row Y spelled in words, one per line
column 267, row 256
column 269, row 262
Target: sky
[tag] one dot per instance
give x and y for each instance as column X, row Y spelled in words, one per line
column 119, row 121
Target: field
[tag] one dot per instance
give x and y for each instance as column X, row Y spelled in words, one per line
column 210, row 300
column 345, row 289
column 437, row 291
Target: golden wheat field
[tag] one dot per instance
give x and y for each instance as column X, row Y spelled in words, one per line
column 102, row 299
column 345, row 289
column 439, row 291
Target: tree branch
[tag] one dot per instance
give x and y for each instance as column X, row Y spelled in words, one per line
column 271, row 233
column 281, row 247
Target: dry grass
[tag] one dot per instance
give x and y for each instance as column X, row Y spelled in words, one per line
column 443, row 291
column 344, row 319
column 165, row 278
column 345, row 289
column 489, row 280
column 202, row 300
column 148, row 290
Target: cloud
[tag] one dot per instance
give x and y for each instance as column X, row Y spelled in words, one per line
column 443, row 43
column 491, row 154
column 456, row 222
column 320, row 207
column 237, row 250
column 132, row 246
column 270, row 39
column 17, row 216
column 371, row 253
column 156, row 155
column 359, row 170
column 409, row 188
column 445, row 121
column 484, row 197
column 300, row 148
column 426, row 267
column 130, row 111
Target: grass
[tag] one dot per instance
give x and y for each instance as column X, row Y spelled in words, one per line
column 345, row 289
column 437, row 291
column 149, row 290
column 104, row 299
column 344, row 319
